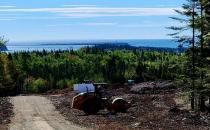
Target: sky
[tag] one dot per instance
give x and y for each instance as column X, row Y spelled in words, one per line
column 35, row 20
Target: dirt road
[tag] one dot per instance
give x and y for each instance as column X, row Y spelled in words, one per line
column 37, row 113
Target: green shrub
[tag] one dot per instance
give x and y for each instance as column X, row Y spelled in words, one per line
column 40, row 85
column 61, row 84
column 98, row 78
column 28, row 85
column 65, row 83
column 34, row 86
column 70, row 83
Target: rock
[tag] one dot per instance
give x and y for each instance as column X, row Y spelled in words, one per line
column 184, row 119
column 165, row 85
column 135, row 125
column 174, row 110
column 143, row 87
column 204, row 119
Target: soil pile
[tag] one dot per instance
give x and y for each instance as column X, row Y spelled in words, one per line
column 148, row 111
column 153, row 87
column 6, row 109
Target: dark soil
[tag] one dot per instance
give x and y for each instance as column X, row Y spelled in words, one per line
column 149, row 111
column 6, row 111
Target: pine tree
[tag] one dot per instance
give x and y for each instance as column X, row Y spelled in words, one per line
column 191, row 20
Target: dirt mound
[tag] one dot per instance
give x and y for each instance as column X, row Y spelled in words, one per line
column 58, row 91
column 152, row 87
column 6, row 109
column 148, row 111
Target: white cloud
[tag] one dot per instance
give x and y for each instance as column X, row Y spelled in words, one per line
column 7, row 19
column 7, row 6
column 100, row 24
column 118, row 25
column 152, row 25
column 79, row 5
column 84, row 24
column 140, row 25
column 85, row 12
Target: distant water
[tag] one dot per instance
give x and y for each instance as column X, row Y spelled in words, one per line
column 77, row 44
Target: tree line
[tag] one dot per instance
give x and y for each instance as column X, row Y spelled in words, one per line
column 41, row 71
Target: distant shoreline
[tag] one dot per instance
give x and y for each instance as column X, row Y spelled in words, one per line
column 3, row 48
column 101, row 46
column 152, row 44
column 136, row 42
column 54, row 44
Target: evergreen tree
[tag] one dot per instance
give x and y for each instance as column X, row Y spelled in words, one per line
column 195, row 17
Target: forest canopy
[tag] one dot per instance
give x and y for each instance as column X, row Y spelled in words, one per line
column 42, row 71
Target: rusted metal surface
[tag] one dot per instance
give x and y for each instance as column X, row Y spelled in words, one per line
column 92, row 102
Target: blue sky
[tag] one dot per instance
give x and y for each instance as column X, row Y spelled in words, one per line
column 29, row 20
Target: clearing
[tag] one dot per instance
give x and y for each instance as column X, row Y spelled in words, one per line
column 150, row 111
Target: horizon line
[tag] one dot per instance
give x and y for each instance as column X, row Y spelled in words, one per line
column 45, row 40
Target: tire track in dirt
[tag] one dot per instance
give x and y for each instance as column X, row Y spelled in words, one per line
column 38, row 113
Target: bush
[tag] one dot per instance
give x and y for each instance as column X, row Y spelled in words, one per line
column 35, row 86
column 40, row 85
column 65, row 83
column 61, row 84
column 98, row 78
column 28, row 85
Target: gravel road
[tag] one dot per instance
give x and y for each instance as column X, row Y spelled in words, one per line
column 38, row 113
